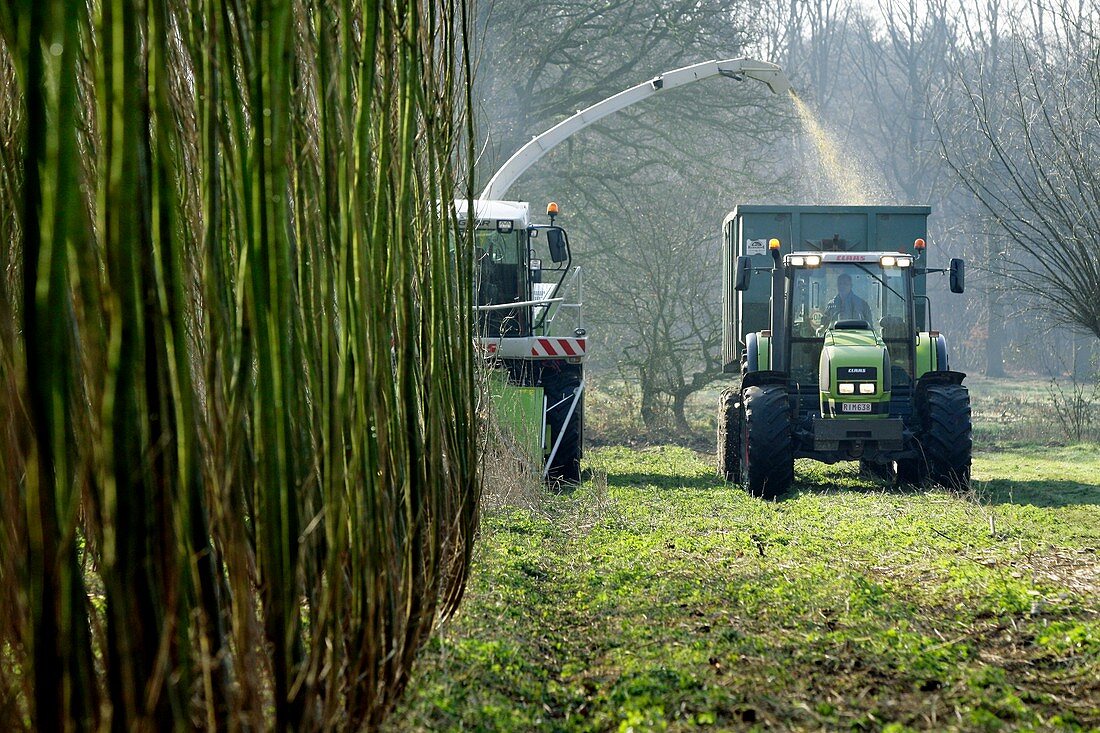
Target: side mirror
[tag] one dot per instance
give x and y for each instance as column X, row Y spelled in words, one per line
column 958, row 275
column 742, row 274
column 555, row 240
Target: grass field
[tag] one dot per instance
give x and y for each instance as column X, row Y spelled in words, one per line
column 655, row 597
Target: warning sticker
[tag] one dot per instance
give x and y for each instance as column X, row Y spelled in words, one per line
column 756, row 247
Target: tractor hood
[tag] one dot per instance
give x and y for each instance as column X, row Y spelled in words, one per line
column 853, row 355
column 851, row 337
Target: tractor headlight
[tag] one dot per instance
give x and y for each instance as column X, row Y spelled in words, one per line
column 804, row 260
column 866, row 388
column 846, row 388
column 895, row 261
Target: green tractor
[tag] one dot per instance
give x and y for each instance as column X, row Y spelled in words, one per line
column 837, row 357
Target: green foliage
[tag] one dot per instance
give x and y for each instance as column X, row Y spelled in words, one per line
column 236, row 378
column 847, row 606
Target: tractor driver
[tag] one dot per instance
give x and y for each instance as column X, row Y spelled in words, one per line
column 846, row 305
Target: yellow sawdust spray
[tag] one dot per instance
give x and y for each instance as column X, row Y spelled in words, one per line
column 845, row 177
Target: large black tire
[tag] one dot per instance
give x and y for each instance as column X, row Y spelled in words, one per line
column 767, row 452
column 729, row 434
column 559, row 386
column 946, row 435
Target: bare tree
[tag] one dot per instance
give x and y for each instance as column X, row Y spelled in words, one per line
column 1039, row 177
column 977, row 53
column 657, row 298
column 902, row 67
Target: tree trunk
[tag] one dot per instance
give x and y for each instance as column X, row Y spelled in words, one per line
column 994, row 313
column 653, row 412
column 678, row 401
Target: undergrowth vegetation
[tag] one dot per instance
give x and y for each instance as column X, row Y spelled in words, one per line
column 1007, row 412
column 655, row 597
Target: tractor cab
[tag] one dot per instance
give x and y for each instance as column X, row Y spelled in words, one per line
column 839, row 292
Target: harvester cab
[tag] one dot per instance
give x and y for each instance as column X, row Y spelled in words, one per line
column 837, row 357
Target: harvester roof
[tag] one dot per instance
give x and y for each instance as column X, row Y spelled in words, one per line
column 489, row 212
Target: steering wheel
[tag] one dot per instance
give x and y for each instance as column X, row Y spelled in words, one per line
column 817, row 320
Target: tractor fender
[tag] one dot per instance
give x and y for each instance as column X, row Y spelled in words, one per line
column 762, row 377
column 941, row 377
column 752, row 353
column 932, row 353
column 942, row 363
column 757, row 347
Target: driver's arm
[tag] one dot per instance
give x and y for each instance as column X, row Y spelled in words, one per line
column 865, row 311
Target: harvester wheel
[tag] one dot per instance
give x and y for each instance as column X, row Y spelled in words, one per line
column 566, row 467
column 767, row 452
column 729, row 434
column 946, row 437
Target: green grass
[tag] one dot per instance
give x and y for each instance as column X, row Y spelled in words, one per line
column 655, row 597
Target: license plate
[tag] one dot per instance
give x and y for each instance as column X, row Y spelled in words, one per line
column 855, row 406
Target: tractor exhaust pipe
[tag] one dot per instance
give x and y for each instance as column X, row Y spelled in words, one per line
column 778, row 346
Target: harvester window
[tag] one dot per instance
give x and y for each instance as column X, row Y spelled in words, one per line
column 501, row 278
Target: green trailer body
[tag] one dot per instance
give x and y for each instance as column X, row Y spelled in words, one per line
column 747, row 230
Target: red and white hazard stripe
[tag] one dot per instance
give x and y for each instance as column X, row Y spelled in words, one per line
column 557, row 347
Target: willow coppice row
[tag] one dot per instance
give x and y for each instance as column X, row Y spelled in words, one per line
column 238, row 447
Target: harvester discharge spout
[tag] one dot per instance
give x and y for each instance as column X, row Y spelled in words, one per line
column 762, row 71
column 540, row 145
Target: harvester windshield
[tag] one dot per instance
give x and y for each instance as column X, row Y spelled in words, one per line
column 824, row 295
column 501, row 272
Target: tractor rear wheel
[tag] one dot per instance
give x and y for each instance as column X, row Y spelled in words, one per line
column 560, row 388
column 946, row 435
column 729, row 434
column 767, row 451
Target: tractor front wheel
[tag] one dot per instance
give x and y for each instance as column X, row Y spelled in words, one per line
column 946, row 438
column 729, row 434
column 767, row 451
